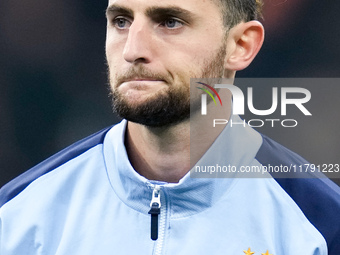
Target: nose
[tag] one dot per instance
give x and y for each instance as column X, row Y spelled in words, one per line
column 138, row 44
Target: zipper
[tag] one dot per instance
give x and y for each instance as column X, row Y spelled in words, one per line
column 155, row 210
column 158, row 218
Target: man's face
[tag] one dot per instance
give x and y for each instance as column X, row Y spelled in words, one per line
column 153, row 48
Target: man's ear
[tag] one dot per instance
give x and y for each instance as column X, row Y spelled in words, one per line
column 243, row 43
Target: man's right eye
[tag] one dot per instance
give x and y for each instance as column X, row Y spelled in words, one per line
column 121, row 23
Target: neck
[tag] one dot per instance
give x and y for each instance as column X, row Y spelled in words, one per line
column 164, row 154
column 161, row 154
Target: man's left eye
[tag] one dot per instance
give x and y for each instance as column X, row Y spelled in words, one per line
column 172, row 23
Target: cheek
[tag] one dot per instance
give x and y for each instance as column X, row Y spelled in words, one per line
column 114, row 62
column 187, row 67
column 114, row 48
column 190, row 57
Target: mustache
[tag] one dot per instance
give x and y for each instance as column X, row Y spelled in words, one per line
column 140, row 72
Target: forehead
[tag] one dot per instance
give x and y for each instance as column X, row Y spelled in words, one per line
column 204, row 8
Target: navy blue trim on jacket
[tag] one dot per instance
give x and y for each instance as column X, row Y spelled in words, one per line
column 14, row 187
column 318, row 198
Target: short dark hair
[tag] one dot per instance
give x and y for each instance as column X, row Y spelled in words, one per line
column 236, row 11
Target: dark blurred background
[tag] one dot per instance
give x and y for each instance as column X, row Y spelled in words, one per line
column 53, row 88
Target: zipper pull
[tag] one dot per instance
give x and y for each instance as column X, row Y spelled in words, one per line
column 155, row 210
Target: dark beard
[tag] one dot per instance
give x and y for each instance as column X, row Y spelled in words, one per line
column 167, row 107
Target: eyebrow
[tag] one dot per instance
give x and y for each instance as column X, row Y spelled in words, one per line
column 170, row 11
column 113, row 9
column 155, row 13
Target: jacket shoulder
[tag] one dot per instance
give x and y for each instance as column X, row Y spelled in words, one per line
column 316, row 195
column 14, row 187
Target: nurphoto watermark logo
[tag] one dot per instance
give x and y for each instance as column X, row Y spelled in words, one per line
column 295, row 96
column 299, row 113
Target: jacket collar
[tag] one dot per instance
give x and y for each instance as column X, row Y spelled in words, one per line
column 235, row 146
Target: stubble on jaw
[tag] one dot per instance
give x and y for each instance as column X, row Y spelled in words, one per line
column 168, row 106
